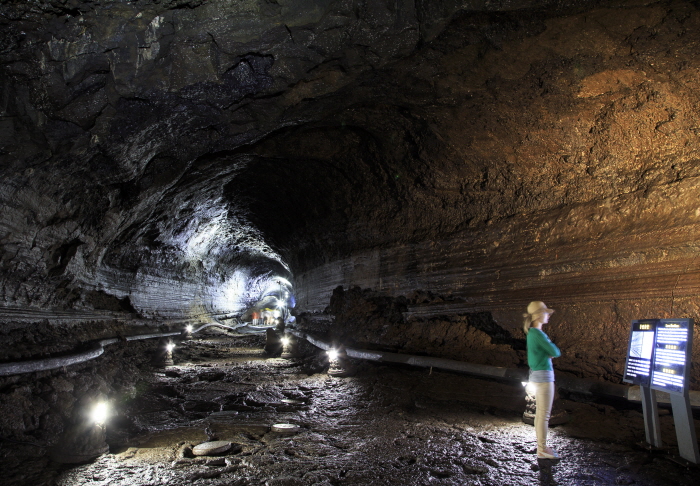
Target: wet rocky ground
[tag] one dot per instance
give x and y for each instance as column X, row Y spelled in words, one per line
column 384, row 425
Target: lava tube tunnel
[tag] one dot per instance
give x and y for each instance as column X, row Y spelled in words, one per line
column 349, row 242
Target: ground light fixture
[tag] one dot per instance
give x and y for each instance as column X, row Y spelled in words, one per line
column 529, row 389
column 558, row 414
column 273, row 343
column 530, row 403
column 164, row 354
column 286, row 345
column 168, row 358
column 339, row 364
column 100, row 413
column 85, row 439
column 187, row 333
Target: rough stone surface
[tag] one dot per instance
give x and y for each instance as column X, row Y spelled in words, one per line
column 174, row 161
column 385, row 426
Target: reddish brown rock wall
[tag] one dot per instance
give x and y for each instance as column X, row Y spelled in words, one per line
column 562, row 164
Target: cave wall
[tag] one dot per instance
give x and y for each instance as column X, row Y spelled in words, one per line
column 567, row 171
column 487, row 154
column 122, row 122
column 43, row 411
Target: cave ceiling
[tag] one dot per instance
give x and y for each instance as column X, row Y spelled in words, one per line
column 185, row 141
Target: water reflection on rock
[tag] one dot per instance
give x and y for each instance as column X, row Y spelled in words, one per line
column 385, row 425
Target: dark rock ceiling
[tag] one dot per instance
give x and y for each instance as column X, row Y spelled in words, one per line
column 185, row 154
column 186, row 138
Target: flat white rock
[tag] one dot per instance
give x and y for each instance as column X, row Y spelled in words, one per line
column 285, row 428
column 210, row 448
column 291, row 402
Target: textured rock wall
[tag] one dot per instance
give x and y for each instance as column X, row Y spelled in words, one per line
column 121, row 126
column 369, row 319
column 562, row 164
column 176, row 157
column 39, row 408
column 118, row 126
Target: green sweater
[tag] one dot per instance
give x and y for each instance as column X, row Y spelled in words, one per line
column 540, row 350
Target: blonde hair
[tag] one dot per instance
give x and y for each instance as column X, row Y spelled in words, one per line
column 527, row 322
column 534, row 310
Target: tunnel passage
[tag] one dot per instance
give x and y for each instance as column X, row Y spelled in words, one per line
column 169, row 162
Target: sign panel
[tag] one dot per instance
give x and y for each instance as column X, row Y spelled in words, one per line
column 672, row 348
column 640, row 352
column 659, row 358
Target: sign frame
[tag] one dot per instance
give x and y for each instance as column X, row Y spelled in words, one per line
column 686, row 352
column 638, row 366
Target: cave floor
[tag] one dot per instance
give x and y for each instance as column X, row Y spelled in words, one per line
column 382, row 426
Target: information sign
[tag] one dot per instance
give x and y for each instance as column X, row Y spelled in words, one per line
column 672, row 347
column 640, row 352
column 658, row 359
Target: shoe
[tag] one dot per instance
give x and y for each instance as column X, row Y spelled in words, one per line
column 548, row 453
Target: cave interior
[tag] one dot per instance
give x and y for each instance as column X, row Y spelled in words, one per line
column 392, row 176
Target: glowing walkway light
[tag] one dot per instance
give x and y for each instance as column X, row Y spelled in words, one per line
column 100, row 413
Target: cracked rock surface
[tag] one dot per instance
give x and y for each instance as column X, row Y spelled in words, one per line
column 384, row 425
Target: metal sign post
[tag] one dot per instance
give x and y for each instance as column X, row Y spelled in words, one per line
column 685, row 428
column 670, row 372
column 652, row 425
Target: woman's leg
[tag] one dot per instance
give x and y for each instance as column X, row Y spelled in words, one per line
column 544, row 397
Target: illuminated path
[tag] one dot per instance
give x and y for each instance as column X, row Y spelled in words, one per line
column 385, row 425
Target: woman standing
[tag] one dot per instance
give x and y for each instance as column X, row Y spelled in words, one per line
column 540, row 351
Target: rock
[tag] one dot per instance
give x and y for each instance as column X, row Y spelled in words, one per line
column 218, row 462
column 285, row 429
column 201, row 406
column 211, row 448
